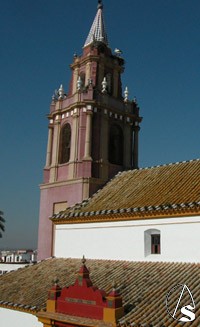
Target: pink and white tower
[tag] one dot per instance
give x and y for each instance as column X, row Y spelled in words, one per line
column 93, row 131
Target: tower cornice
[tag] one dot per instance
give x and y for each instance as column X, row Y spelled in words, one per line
column 83, row 60
column 100, row 58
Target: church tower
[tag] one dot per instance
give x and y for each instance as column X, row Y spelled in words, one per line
column 93, row 131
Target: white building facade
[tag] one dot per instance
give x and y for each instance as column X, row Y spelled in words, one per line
column 178, row 240
column 16, row 256
column 10, row 318
column 13, row 260
column 7, row 267
column 149, row 214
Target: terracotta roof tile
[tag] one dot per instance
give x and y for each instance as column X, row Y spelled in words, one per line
column 174, row 186
column 144, row 286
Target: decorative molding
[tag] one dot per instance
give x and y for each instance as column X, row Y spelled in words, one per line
column 19, row 307
column 125, row 214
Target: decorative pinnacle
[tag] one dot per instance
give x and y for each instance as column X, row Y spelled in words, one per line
column 126, row 94
column 104, row 85
column 61, row 92
column 83, row 260
column 55, row 281
column 114, row 284
column 79, row 83
column 100, row 4
column 135, row 100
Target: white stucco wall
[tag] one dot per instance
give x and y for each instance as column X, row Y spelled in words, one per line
column 6, row 267
column 180, row 240
column 9, row 318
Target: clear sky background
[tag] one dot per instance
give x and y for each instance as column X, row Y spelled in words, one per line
column 160, row 40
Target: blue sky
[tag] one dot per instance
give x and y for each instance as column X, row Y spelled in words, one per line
column 160, row 40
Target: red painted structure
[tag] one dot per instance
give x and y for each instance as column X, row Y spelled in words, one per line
column 82, row 299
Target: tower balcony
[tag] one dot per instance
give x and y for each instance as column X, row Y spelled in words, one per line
column 71, row 100
column 111, row 102
column 99, row 99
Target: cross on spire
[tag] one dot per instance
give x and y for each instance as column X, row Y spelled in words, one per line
column 98, row 30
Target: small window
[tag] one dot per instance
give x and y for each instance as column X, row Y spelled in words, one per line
column 155, row 244
column 65, row 144
column 152, row 242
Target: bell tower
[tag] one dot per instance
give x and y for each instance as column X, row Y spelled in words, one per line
column 93, row 131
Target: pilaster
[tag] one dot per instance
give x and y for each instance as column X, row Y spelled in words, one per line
column 49, row 146
column 103, row 173
column 88, row 71
column 75, row 78
column 88, row 135
column 74, row 145
column 136, row 130
column 127, row 145
column 100, row 75
column 55, row 150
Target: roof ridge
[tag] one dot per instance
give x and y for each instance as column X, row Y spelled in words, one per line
column 163, row 207
column 168, row 164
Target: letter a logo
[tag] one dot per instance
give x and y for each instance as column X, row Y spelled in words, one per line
column 184, row 294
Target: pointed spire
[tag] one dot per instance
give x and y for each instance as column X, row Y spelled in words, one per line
column 98, row 30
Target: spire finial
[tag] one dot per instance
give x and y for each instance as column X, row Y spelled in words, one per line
column 100, row 4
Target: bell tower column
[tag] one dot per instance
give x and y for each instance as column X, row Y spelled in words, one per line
column 104, row 145
column 49, row 146
column 88, row 135
column 136, row 130
column 74, row 144
column 55, row 150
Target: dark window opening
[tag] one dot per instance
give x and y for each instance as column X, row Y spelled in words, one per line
column 109, row 83
column 65, row 143
column 82, row 76
column 116, row 141
column 155, row 244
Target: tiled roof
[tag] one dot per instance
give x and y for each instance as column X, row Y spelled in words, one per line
column 169, row 187
column 143, row 285
column 98, row 30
